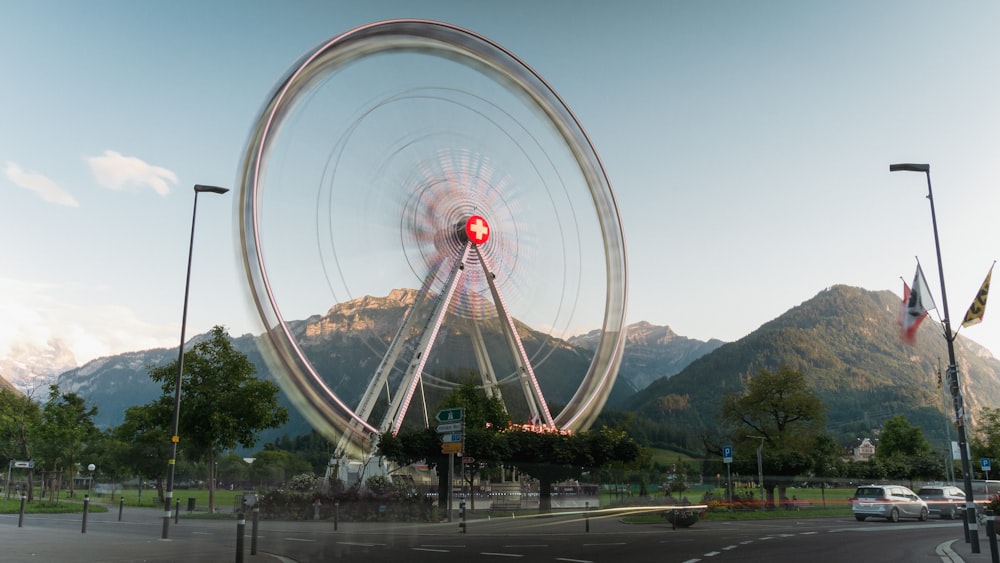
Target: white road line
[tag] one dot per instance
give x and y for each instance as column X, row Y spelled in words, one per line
column 713, row 553
column 526, row 545
column 691, row 561
column 573, row 560
column 500, row 554
column 430, row 549
column 301, row 539
column 729, row 547
column 359, row 543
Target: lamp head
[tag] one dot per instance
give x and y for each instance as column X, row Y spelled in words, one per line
column 906, row 167
column 214, row 189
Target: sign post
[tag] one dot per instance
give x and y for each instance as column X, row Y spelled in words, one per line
column 727, row 458
column 985, row 464
column 452, row 431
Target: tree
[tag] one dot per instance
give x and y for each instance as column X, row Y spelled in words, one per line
column 779, row 409
column 18, row 415
column 146, row 439
column 66, row 426
column 223, row 404
column 905, row 452
column 552, row 457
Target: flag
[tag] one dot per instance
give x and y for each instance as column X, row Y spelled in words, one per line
column 917, row 301
column 978, row 308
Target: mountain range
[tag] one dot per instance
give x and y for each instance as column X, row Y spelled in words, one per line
column 844, row 339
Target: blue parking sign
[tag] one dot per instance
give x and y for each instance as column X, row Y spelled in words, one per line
column 727, row 454
column 985, row 463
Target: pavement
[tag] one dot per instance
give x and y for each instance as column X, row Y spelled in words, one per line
column 959, row 550
column 137, row 537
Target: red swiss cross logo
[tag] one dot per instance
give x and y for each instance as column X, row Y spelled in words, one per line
column 477, row 229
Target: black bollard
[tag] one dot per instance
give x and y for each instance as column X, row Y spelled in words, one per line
column 461, row 516
column 20, row 517
column 241, row 526
column 121, row 508
column 253, row 530
column 336, row 514
column 177, row 512
column 991, row 533
column 586, row 514
column 86, row 506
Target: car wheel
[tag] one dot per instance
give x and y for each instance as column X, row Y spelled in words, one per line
column 893, row 516
column 948, row 514
column 860, row 517
column 923, row 515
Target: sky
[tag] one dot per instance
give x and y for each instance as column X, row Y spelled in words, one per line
column 747, row 143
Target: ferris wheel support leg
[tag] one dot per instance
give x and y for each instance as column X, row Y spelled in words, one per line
column 380, row 380
column 529, row 383
column 490, row 384
column 400, row 403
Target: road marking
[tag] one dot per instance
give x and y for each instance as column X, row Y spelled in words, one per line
column 301, row 539
column 362, row 544
column 600, row 544
column 808, row 533
column 526, row 545
column 430, row 549
column 729, row 547
column 573, row 560
column 713, row 553
column 500, row 554
column 691, row 561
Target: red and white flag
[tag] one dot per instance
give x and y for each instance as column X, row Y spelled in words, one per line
column 917, row 301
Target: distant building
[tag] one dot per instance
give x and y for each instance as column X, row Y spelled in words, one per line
column 862, row 449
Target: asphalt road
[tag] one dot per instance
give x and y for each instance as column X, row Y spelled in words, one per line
column 561, row 538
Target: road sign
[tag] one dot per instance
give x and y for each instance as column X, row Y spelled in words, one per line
column 449, row 427
column 451, row 438
column 449, row 415
column 985, row 463
column 451, row 448
column 727, row 454
column 23, row 464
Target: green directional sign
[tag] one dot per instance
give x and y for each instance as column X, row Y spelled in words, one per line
column 449, row 415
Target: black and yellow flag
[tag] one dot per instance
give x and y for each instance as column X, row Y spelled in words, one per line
column 978, row 307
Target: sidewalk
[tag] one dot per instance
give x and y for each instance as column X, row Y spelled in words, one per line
column 137, row 537
column 959, row 550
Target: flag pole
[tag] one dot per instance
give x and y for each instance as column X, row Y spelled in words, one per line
column 970, row 524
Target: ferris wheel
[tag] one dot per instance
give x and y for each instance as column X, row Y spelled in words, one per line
column 422, row 168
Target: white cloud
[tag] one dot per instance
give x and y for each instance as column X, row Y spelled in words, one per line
column 35, row 314
column 44, row 187
column 118, row 172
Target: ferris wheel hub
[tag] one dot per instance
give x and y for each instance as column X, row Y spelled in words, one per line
column 477, row 229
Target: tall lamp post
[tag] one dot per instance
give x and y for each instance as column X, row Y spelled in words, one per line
column 172, row 462
column 971, row 527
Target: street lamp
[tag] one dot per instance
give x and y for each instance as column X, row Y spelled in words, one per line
column 971, row 527
column 90, row 478
column 760, row 468
column 172, row 462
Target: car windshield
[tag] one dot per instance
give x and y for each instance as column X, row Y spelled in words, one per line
column 931, row 492
column 870, row 492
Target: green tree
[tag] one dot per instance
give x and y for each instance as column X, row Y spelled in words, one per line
column 272, row 467
column 146, row 442
column 18, row 416
column 554, row 457
column 66, row 426
column 223, row 404
column 905, row 452
column 779, row 409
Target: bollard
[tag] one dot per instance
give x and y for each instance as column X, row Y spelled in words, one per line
column 177, row 512
column 461, row 516
column 586, row 514
column 121, row 508
column 253, row 530
column 241, row 526
column 86, row 505
column 991, row 533
column 316, row 505
column 336, row 514
column 20, row 517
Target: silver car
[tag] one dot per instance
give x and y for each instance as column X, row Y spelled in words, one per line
column 891, row 502
column 947, row 501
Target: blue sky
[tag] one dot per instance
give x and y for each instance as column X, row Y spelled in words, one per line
column 748, row 144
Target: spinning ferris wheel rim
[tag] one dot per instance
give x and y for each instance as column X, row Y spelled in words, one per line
column 282, row 351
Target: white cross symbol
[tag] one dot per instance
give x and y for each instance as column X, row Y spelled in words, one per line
column 479, row 229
